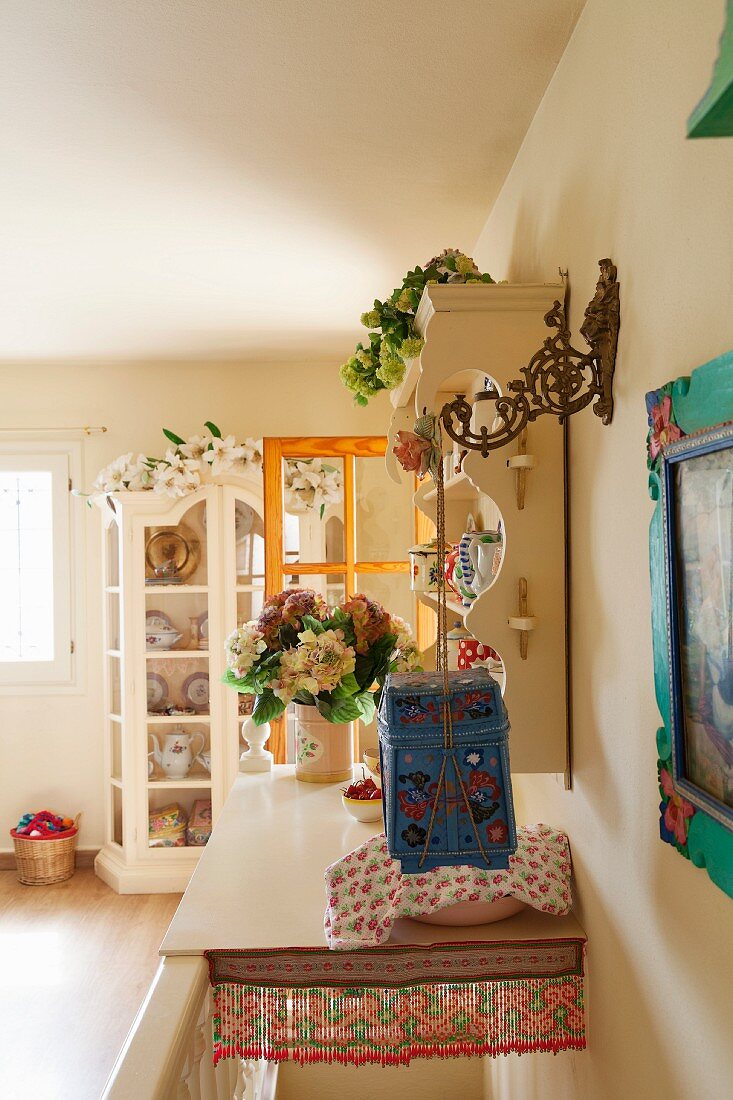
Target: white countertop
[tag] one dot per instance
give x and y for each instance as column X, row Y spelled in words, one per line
column 259, row 883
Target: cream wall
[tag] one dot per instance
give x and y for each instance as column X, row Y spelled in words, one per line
column 605, row 170
column 51, row 746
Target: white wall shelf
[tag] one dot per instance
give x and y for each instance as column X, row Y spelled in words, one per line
column 497, row 329
column 126, row 861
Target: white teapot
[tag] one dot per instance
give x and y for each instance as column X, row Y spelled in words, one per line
column 176, row 756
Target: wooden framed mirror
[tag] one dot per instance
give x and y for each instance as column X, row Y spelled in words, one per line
column 335, row 522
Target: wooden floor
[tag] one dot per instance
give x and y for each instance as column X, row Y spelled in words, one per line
column 75, row 962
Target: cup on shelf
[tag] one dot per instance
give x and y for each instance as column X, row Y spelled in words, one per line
column 471, row 652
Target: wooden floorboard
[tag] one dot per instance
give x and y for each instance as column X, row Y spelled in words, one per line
column 75, row 962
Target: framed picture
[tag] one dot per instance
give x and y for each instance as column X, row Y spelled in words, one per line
column 690, row 459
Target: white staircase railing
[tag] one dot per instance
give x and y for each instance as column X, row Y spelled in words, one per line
column 167, row 1054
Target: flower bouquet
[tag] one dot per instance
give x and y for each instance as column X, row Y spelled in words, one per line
column 333, row 659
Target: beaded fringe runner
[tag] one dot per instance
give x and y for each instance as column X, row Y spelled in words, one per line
column 392, row 1026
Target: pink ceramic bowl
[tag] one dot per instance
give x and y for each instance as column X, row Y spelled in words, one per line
column 465, row 913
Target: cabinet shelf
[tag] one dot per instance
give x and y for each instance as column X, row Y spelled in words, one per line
column 164, row 654
column 170, row 589
column 180, row 784
column 178, row 719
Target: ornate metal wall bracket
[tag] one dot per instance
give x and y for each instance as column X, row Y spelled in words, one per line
column 559, row 380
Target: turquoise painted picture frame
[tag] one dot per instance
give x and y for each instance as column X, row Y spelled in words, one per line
column 690, row 462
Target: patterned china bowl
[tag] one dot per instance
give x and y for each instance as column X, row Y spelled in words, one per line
column 161, row 639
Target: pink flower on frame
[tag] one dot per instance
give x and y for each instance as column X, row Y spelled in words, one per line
column 663, row 430
column 678, row 809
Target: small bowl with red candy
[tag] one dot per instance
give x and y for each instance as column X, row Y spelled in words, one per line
column 363, row 800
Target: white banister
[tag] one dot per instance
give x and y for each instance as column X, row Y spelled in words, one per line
column 167, row 1054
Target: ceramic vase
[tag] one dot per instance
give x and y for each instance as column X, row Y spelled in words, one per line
column 323, row 750
column 424, row 567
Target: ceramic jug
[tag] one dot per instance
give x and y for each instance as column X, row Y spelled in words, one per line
column 176, row 755
column 484, row 552
column 424, row 567
column 467, row 584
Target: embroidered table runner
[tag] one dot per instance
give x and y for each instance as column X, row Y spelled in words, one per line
column 397, row 1002
column 371, row 1001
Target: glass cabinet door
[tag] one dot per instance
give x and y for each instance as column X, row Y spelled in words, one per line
column 180, row 701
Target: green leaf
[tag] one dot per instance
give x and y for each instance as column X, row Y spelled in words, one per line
column 367, row 704
column 359, row 399
column 324, row 708
column 267, row 706
column 313, row 624
column 344, row 710
column 217, row 435
column 347, row 687
column 173, row 437
column 321, row 511
column 450, row 262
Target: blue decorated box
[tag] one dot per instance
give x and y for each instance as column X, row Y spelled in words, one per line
column 475, row 799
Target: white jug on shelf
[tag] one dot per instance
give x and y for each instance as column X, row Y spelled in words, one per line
column 484, row 552
column 176, row 756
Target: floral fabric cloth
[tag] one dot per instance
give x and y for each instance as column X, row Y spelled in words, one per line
column 366, row 892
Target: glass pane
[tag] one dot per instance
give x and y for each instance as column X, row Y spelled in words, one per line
column 703, row 534
column 171, row 823
column 176, row 619
column 329, row 585
column 249, row 535
column 117, row 815
column 313, row 501
column 385, row 523
column 116, row 749
column 26, row 566
column 178, row 686
column 249, row 604
column 195, row 760
column 392, row 590
column 113, row 555
column 177, row 553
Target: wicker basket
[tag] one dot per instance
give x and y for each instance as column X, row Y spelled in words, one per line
column 40, row 861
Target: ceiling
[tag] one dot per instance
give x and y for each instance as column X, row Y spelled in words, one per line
column 239, row 179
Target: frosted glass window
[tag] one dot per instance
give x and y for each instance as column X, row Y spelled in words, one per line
column 35, row 582
column 26, row 566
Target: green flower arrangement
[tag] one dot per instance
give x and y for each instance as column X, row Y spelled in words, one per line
column 380, row 364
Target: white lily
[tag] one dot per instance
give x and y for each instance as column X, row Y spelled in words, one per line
column 224, row 455
column 139, row 474
column 176, row 476
column 113, row 478
column 195, row 447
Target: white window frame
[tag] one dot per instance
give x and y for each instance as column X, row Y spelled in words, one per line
column 64, row 459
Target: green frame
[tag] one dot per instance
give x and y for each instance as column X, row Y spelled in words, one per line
column 688, row 405
column 713, row 116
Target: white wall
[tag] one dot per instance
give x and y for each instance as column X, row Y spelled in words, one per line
column 51, row 746
column 605, row 170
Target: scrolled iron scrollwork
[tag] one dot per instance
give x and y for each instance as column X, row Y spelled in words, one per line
column 559, row 380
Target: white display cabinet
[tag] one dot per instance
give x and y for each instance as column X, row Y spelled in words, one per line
column 221, row 583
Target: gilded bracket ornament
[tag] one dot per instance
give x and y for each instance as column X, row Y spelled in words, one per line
column 559, row 379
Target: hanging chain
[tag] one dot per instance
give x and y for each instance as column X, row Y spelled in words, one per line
column 441, row 662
